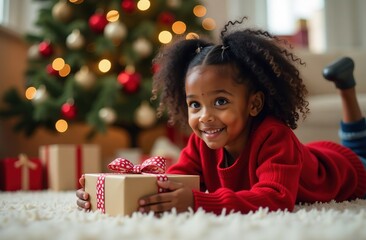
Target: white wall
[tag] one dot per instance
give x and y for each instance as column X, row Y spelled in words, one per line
column 255, row 10
column 345, row 24
column 22, row 14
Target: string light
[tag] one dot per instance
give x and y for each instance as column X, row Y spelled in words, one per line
column 65, row 70
column 61, row 126
column 58, row 64
column 165, row 37
column 179, row 27
column 143, row 5
column 209, row 24
column 112, row 16
column 192, row 35
column 104, row 65
column 199, row 11
column 76, row 1
column 30, row 92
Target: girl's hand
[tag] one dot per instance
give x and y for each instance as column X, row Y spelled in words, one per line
column 179, row 197
column 83, row 197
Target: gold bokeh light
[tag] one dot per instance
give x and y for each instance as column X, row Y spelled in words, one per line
column 30, row 93
column 192, row 35
column 143, row 5
column 104, row 65
column 65, row 71
column 179, row 27
column 209, row 24
column 112, row 16
column 76, row 1
column 61, row 126
column 165, row 37
column 199, row 11
column 58, row 64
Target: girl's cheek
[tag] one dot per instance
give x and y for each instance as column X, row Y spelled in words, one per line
column 193, row 120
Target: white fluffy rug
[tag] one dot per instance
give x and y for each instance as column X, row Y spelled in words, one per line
column 53, row 215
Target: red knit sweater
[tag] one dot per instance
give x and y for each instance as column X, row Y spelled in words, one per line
column 274, row 170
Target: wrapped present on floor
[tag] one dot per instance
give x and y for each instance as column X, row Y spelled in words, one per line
column 65, row 163
column 118, row 193
column 20, row 173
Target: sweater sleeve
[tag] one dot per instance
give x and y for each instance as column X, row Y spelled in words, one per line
column 274, row 170
column 189, row 161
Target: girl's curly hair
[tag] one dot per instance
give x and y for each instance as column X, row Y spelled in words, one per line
column 264, row 63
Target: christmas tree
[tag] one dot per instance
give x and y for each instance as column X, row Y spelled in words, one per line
column 91, row 62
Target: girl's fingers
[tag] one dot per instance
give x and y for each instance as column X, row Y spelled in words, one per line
column 81, row 194
column 178, row 197
column 83, row 204
column 82, row 199
column 155, row 199
column 163, row 201
column 157, row 208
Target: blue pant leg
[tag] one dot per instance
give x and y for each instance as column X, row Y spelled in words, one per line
column 353, row 136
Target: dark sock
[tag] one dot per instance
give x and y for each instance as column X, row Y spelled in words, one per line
column 341, row 73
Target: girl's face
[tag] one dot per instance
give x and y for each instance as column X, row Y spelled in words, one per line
column 220, row 109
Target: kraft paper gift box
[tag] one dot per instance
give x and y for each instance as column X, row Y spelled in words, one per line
column 118, row 194
column 20, row 173
column 65, row 163
column 122, row 191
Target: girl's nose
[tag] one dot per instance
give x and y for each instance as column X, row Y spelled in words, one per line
column 206, row 116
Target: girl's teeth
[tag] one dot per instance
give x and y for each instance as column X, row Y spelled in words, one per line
column 213, row 131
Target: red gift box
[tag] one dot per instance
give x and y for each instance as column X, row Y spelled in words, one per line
column 21, row 173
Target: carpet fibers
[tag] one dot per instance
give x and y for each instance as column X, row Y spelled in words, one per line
column 53, row 215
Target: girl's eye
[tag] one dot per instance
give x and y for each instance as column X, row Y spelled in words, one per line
column 194, row 105
column 221, row 101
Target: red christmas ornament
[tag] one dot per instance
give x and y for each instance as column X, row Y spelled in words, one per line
column 45, row 48
column 51, row 71
column 68, row 110
column 130, row 81
column 166, row 18
column 97, row 22
column 128, row 6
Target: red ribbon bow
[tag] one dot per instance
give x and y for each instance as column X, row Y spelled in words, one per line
column 154, row 165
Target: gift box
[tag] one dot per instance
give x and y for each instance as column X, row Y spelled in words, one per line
column 65, row 163
column 20, row 173
column 122, row 191
column 118, row 193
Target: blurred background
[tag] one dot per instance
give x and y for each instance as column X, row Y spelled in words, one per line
column 55, row 88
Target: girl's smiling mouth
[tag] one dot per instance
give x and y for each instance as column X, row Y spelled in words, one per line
column 212, row 132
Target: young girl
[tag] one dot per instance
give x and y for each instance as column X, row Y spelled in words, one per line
column 242, row 98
